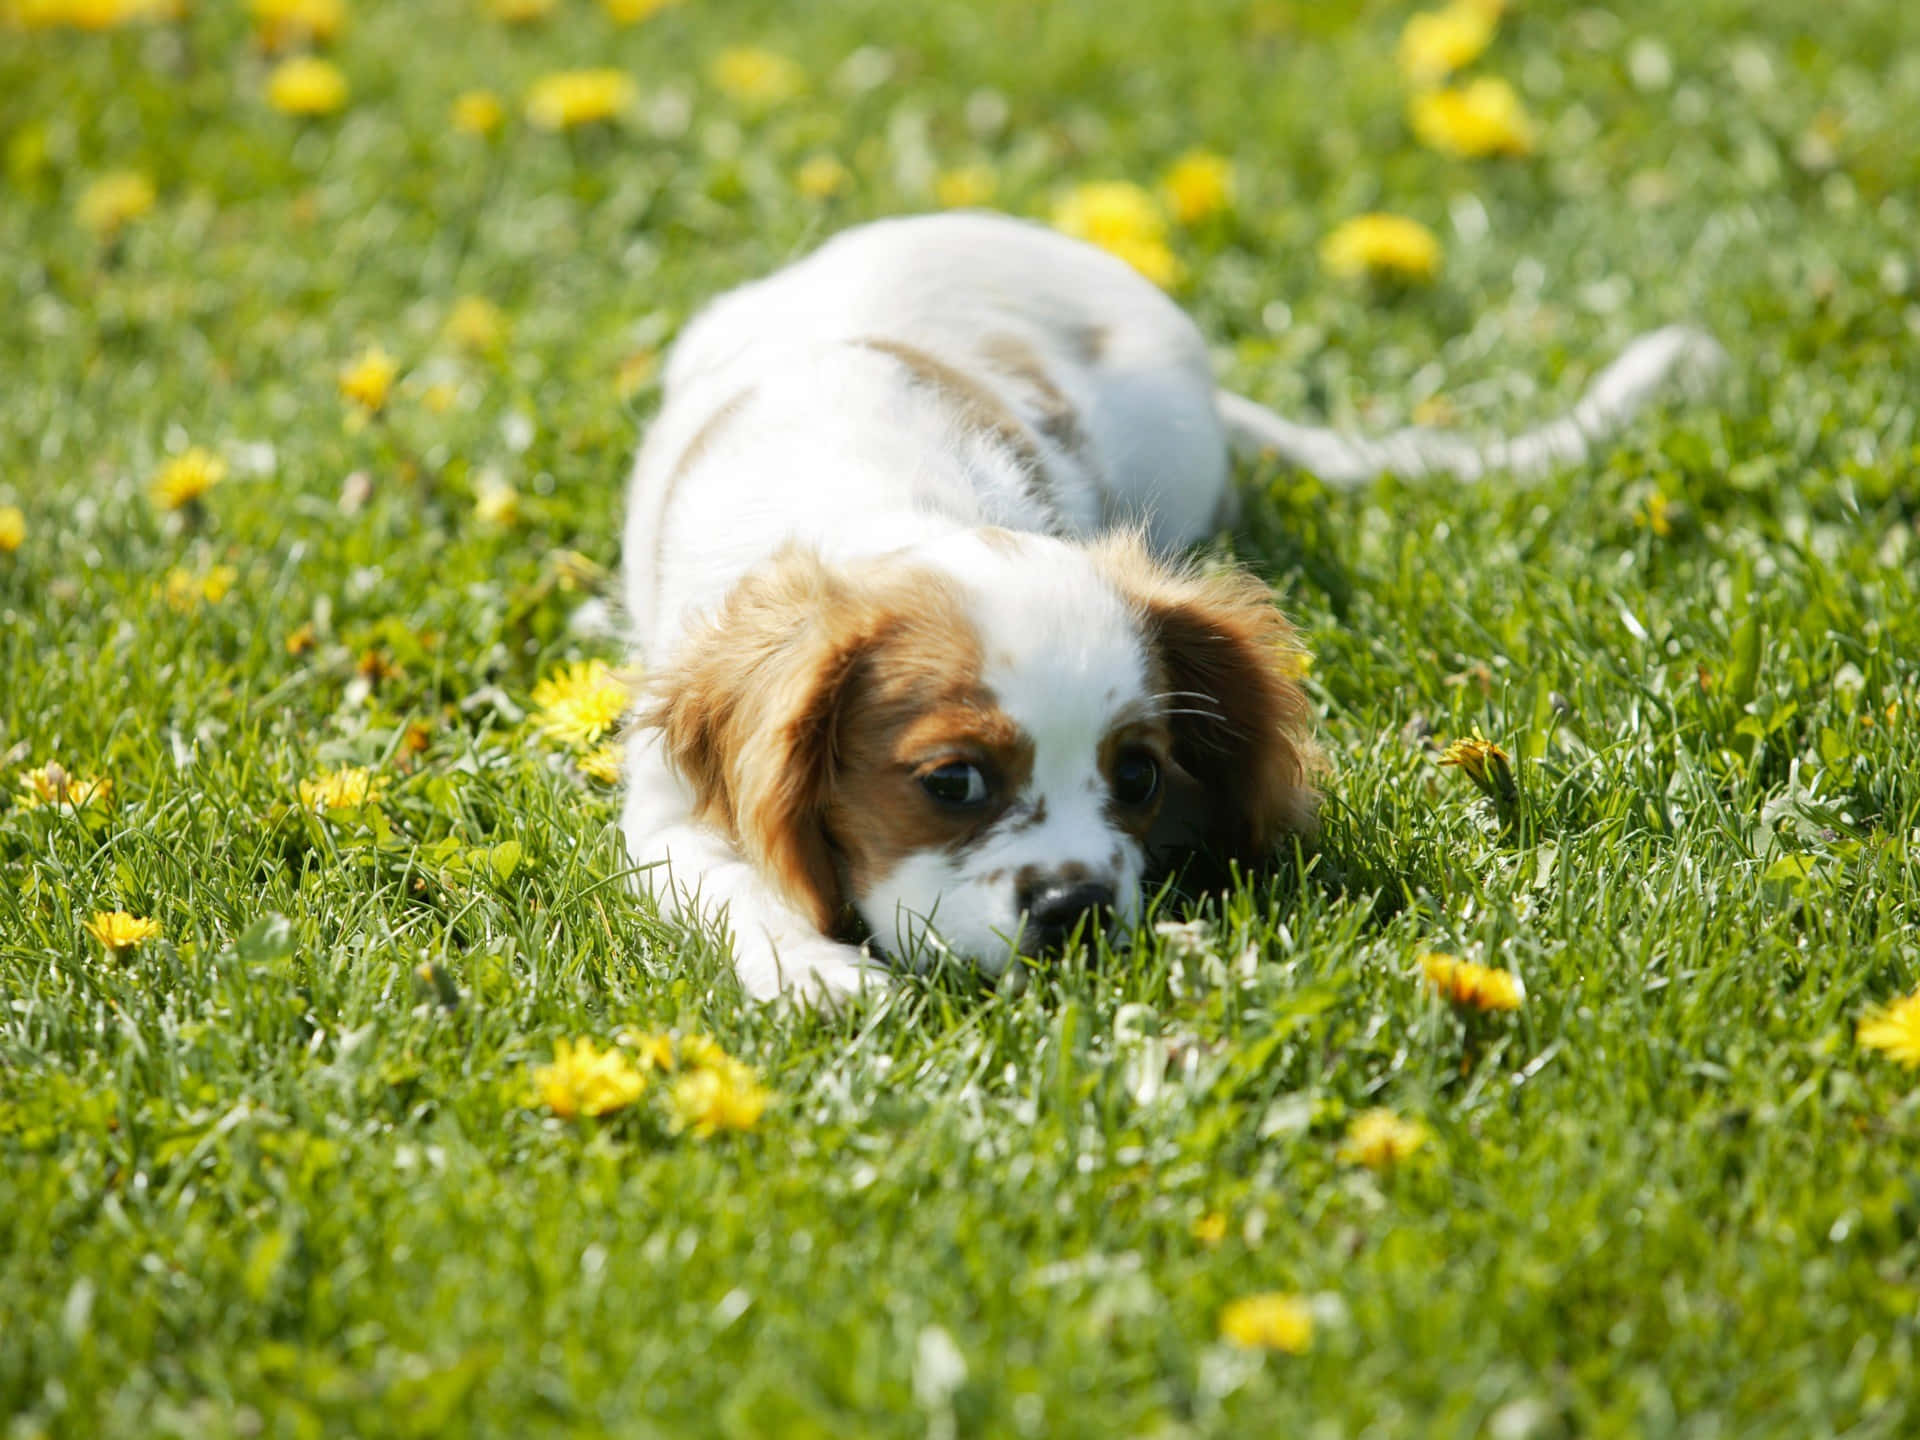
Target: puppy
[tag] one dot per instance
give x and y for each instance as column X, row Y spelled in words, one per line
column 924, row 678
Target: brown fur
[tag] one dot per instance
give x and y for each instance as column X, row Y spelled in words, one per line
column 1057, row 419
column 916, row 704
column 1249, row 754
column 803, row 716
column 976, row 405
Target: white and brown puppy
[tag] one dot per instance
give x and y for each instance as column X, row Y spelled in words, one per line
column 922, row 671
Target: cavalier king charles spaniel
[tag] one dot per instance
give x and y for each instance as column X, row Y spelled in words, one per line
column 925, row 675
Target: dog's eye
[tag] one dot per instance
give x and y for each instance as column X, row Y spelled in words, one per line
column 1136, row 777
column 959, row 785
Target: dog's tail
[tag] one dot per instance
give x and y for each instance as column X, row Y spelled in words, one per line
column 1653, row 362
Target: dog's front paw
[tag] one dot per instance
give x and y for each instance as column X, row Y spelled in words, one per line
column 809, row 969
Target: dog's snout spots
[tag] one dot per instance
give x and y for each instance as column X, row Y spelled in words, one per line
column 1032, row 815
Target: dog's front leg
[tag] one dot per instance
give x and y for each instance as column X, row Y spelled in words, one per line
column 691, row 872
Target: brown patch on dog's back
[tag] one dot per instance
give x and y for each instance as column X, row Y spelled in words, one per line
column 1055, row 416
column 999, row 539
column 972, row 402
column 976, row 405
column 1090, row 343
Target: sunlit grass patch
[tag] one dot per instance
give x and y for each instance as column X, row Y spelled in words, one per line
column 1562, row 1089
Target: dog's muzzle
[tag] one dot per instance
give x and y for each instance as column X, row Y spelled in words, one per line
column 1055, row 910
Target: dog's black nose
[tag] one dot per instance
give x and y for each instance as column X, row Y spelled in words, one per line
column 1054, row 910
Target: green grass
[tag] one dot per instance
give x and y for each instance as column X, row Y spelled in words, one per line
column 257, row 1178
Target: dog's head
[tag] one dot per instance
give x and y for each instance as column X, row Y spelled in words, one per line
column 981, row 745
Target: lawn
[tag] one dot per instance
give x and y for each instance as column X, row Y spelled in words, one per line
column 293, row 1166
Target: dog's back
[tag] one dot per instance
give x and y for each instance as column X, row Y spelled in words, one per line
column 961, row 369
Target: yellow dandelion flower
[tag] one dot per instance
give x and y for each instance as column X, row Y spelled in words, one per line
column 475, row 323
column 114, row 201
column 1483, row 117
column 1122, row 219
column 1294, row 662
column 78, row 14
column 632, row 12
column 1380, row 1139
column 521, row 12
column 698, row 1051
column 653, row 1049
column 186, row 592
column 822, row 178
column 182, row 480
column 117, row 931
column 717, row 1097
column 96, row 15
column 478, row 112
column 218, row 583
column 1381, row 246
column 1435, row 43
column 368, row 380
column 1657, row 515
column 180, row 590
column 348, row 788
column 497, row 504
column 307, row 85
column 1893, row 1030
column 13, row 528
column 603, row 763
column 1108, row 210
column 966, row 187
column 1484, row 763
column 1198, row 186
column 1152, row 259
column 51, row 785
column 752, row 76
column 1269, row 1321
column 1211, row 1228
column 1471, row 986
column 286, row 24
column 440, row 396
column 585, row 1080
column 580, row 703
column 568, row 99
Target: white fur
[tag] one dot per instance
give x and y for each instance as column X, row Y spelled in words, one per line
column 1065, row 656
column 832, row 445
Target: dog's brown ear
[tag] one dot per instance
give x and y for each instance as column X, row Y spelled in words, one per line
column 748, row 717
column 1229, row 663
